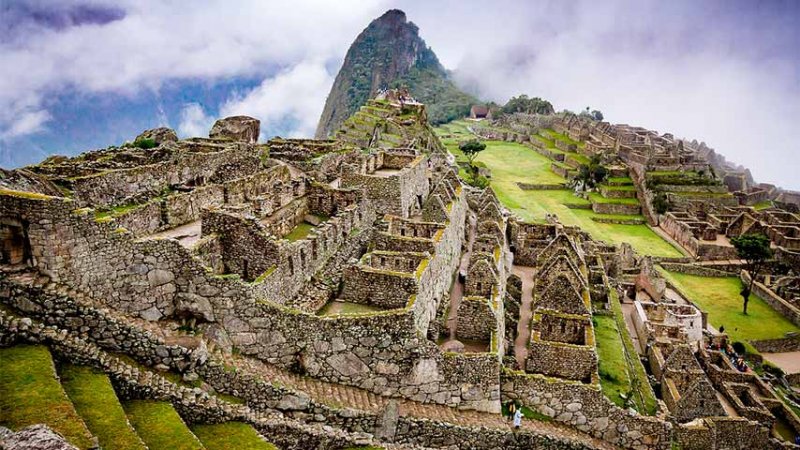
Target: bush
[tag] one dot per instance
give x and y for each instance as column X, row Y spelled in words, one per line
column 739, row 348
column 145, row 143
column 479, row 182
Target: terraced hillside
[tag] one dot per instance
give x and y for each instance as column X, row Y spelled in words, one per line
column 514, row 164
column 81, row 404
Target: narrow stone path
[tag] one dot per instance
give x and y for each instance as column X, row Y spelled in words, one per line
column 457, row 291
column 525, row 312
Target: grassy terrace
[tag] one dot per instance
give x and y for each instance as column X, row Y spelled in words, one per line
column 612, row 366
column 231, row 436
column 30, row 393
column 598, row 198
column 95, row 400
column 299, row 232
column 511, row 163
column 720, row 298
column 160, row 426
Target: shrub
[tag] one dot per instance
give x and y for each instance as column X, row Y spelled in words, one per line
column 479, row 182
column 145, row 143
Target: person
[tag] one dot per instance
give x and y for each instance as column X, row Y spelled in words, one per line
column 517, row 419
column 721, row 329
column 512, row 408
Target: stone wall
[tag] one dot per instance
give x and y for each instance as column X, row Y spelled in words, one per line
column 586, row 408
column 780, row 345
column 115, row 187
column 616, row 208
column 573, row 362
column 476, row 319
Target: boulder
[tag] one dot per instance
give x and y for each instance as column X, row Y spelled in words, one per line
column 35, row 437
column 159, row 135
column 237, row 128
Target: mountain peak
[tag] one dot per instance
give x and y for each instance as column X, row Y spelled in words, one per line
column 389, row 53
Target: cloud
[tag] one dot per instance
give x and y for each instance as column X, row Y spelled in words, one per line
column 289, row 103
column 128, row 45
column 26, row 123
column 723, row 72
column 194, row 121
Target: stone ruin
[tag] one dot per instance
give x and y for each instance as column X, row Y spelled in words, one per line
column 324, row 283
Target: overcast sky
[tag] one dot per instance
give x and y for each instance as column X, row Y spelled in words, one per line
column 723, row 72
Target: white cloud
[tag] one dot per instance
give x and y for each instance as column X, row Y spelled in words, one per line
column 718, row 73
column 194, row 121
column 26, row 123
column 159, row 41
column 290, row 102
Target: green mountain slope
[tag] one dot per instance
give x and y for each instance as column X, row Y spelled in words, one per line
column 389, row 53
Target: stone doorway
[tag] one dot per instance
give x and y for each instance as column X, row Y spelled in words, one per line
column 15, row 248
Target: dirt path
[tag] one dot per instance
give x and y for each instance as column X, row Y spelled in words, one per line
column 789, row 362
column 525, row 313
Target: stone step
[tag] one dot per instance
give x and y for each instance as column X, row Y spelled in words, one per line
column 96, row 402
column 160, row 426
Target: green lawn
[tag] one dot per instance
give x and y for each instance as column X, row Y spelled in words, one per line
column 231, row 436
column 299, row 232
column 95, row 400
column 720, row 298
column 160, row 426
column 613, row 367
column 30, row 393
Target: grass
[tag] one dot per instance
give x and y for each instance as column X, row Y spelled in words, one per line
column 95, row 400
column 612, row 365
column 763, row 205
column 30, row 393
column 720, row 298
column 160, row 426
column 299, row 232
column 345, row 308
column 644, row 399
column 231, row 436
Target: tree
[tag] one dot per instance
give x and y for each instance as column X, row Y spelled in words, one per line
column 597, row 115
column 592, row 174
column 471, row 149
column 755, row 250
column 527, row 105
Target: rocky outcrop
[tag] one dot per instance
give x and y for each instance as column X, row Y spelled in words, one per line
column 35, row 437
column 158, row 135
column 237, row 128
